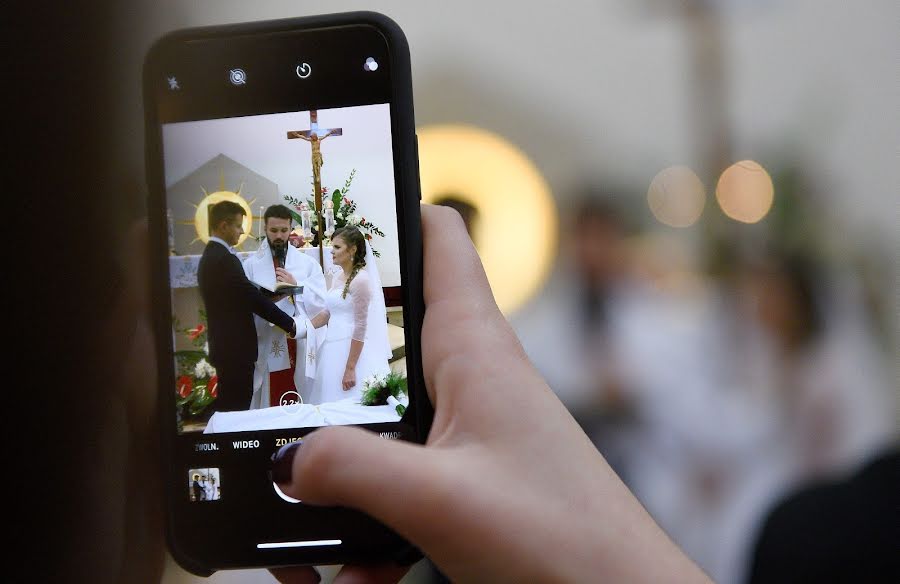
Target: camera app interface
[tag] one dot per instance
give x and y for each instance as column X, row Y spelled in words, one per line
column 284, row 271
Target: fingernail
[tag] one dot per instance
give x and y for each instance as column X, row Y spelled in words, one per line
column 283, row 463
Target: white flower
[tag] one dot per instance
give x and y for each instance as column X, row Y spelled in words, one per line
column 368, row 381
column 204, row 369
column 353, row 219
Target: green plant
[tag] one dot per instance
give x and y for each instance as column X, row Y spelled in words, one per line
column 377, row 388
column 196, row 384
column 344, row 211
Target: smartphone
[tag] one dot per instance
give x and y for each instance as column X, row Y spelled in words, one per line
column 300, row 133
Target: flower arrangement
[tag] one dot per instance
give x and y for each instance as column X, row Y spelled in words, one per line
column 344, row 212
column 378, row 388
column 197, row 384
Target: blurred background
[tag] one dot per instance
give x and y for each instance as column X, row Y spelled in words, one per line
column 688, row 210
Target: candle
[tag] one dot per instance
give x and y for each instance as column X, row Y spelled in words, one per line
column 260, row 228
column 329, row 218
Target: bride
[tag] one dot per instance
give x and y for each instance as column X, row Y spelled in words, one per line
column 356, row 345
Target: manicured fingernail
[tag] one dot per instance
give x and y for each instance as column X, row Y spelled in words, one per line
column 283, row 463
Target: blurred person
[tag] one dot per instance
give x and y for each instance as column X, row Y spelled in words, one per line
column 800, row 396
column 585, row 296
column 828, row 373
column 197, row 491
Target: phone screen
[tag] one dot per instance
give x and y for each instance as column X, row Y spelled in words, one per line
column 265, row 165
column 281, row 184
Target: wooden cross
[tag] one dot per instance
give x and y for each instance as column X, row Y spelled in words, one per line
column 314, row 135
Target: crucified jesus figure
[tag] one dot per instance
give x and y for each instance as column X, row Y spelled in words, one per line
column 314, row 136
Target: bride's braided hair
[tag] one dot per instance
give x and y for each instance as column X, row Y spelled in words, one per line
column 352, row 236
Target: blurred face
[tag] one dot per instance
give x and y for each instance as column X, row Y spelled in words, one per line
column 232, row 229
column 341, row 253
column 773, row 302
column 277, row 231
column 597, row 248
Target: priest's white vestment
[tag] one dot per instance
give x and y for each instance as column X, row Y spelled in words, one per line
column 272, row 348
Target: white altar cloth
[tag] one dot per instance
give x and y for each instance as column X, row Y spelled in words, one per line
column 342, row 412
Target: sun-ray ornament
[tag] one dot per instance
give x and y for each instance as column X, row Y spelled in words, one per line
column 201, row 215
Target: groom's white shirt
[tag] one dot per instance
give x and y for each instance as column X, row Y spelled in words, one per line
column 272, row 351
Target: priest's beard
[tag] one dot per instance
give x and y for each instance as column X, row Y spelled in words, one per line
column 279, row 251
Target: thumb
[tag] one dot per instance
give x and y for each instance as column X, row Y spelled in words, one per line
column 357, row 468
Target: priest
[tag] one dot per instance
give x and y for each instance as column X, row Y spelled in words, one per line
column 284, row 364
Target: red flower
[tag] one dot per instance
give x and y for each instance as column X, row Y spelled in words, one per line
column 185, row 385
column 213, row 386
column 196, row 332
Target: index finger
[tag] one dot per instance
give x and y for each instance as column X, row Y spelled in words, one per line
column 453, row 270
column 462, row 324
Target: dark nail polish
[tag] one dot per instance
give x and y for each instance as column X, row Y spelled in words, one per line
column 283, row 463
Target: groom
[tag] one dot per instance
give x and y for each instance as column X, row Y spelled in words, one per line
column 284, row 364
column 231, row 301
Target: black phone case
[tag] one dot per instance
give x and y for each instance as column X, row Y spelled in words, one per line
column 409, row 222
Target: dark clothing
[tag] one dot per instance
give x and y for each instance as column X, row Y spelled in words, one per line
column 839, row 532
column 231, row 301
column 235, row 387
column 199, row 493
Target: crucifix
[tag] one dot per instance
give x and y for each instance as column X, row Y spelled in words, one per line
column 314, row 135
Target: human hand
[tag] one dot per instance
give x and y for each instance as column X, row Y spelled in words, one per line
column 349, row 379
column 282, row 275
column 508, row 488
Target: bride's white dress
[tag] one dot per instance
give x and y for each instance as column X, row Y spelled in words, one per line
column 349, row 320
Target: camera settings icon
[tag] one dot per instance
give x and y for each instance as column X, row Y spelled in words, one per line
column 237, row 77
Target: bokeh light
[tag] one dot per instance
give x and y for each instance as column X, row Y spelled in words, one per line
column 516, row 227
column 676, row 196
column 745, row 191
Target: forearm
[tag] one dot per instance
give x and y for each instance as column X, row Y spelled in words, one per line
column 355, row 350
column 320, row 319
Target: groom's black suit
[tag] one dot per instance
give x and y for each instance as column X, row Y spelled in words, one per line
column 231, row 301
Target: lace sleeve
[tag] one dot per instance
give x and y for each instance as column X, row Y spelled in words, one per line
column 360, row 294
